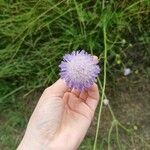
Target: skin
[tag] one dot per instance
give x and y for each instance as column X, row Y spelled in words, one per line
column 60, row 119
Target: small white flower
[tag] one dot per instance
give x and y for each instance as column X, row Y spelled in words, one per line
column 127, row 71
column 130, row 45
column 135, row 127
column 106, row 102
column 123, row 41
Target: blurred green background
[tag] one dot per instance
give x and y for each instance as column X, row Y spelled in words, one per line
column 34, row 36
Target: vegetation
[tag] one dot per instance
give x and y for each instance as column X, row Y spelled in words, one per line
column 34, row 35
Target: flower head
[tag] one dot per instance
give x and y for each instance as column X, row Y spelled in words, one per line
column 79, row 70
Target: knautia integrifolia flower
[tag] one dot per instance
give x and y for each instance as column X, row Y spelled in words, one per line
column 79, row 70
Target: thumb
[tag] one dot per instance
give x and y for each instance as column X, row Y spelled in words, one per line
column 58, row 89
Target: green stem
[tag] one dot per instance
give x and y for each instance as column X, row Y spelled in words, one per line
column 112, row 113
column 103, row 4
column 117, row 137
column 109, row 134
column 123, row 127
column 103, row 89
column 11, row 93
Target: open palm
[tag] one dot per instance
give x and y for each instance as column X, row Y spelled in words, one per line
column 62, row 116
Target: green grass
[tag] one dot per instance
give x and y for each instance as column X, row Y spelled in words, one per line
column 34, row 35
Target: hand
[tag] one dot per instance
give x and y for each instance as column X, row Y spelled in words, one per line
column 61, row 118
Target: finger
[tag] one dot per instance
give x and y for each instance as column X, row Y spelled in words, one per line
column 83, row 95
column 93, row 97
column 75, row 92
column 58, row 88
column 73, row 101
column 66, row 97
column 95, row 59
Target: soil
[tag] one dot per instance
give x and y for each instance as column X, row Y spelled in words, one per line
column 130, row 101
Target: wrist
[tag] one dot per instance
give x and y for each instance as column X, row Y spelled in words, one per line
column 24, row 145
column 31, row 143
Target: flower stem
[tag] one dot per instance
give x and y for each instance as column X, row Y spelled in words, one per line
column 103, row 89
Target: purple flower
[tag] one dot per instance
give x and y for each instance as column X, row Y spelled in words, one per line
column 79, row 70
